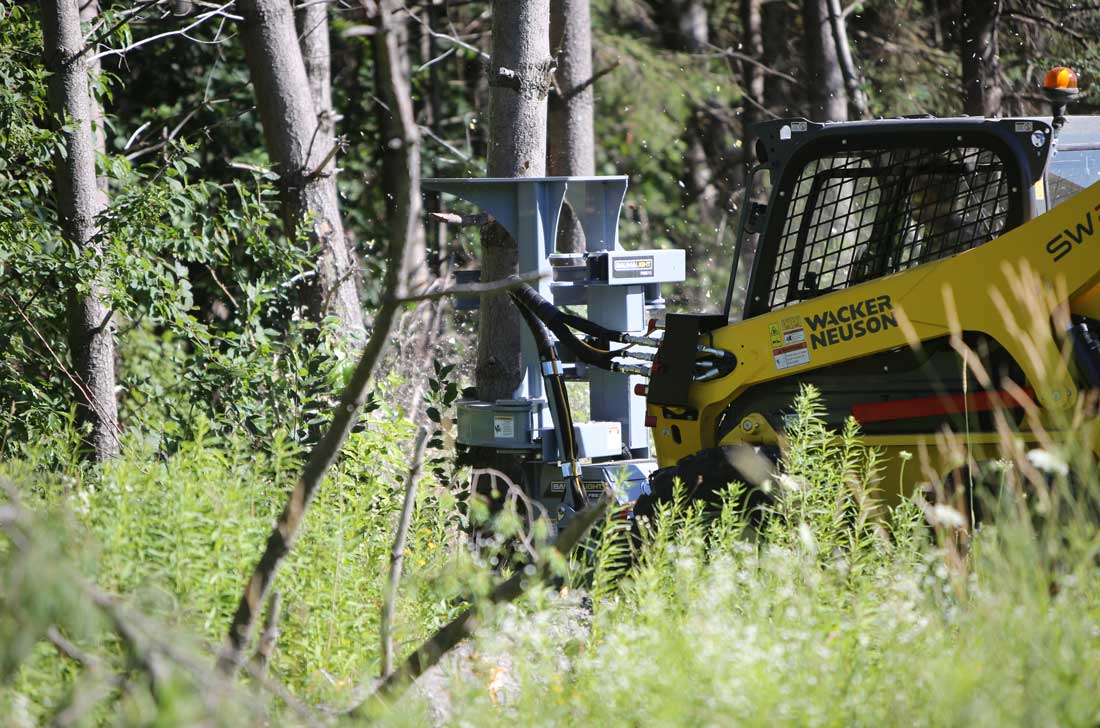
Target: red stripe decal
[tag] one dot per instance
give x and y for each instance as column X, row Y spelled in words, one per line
column 904, row 409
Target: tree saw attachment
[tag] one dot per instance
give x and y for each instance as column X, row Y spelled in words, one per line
column 619, row 349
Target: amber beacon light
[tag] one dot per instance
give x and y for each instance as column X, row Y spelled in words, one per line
column 1061, row 79
column 1060, row 87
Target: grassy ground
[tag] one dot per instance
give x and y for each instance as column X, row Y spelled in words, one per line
column 824, row 618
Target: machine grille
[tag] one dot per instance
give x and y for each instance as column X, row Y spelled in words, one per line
column 856, row 215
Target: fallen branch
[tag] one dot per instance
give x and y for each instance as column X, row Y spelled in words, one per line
column 462, row 626
column 70, row 650
column 82, row 700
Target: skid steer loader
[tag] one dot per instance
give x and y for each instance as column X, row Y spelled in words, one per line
column 937, row 279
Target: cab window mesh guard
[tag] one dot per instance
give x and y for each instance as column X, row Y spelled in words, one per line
column 860, row 214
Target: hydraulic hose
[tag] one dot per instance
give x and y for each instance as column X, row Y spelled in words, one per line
column 713, row 363
column 560, row 411
column 559, row 322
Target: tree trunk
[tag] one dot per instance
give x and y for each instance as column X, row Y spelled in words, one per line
column 754, row 85
column 570, row 142
column 302, row 153
column 401, row 158
column 776, row 19
column 519, row 79
column 828, row 101
column 686, row 25
column 436, row 233
column 89, row 12
column 981, row 66
column 79, row 200
column 687, row 20
column 395, row 153
column 312, row 23
column 701, row 184
column 752, row 76
column 852, row 80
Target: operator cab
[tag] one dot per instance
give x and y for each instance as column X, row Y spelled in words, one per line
column 854, row 201
column 851, row 202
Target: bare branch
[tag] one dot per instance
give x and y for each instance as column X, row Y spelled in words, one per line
column 443, row 36
column 137, row 132
column 361, row 30
column 397, row 553
column 852, row 8
column 454, row 218
column 80, row 385
column 760, row 106
column 579, row 88
column 123, row 18
column 217, row 12
column 320, row 169
column 249, row 167
column 1073, row 7
column 282, row 538
column 222, row 286
column 492, row 288
column 446, row 145
column 437, row 59
column 1046, row 23
column 731, row 53
column 270, row 636
column 171, row 135
column 448, row 636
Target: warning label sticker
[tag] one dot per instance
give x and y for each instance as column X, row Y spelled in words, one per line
column 788, row 342
column 504, row 427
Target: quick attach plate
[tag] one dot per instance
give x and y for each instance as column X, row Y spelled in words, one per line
column 674, row 366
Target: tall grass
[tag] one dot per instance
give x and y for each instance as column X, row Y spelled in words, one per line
column 177, row 536
column 829, row 615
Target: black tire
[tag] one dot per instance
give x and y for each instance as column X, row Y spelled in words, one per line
column 706, row 476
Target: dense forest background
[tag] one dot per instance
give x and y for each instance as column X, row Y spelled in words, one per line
column 230, row 298
column 210, row 300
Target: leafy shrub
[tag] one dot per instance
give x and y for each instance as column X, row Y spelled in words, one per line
column 179, row 535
